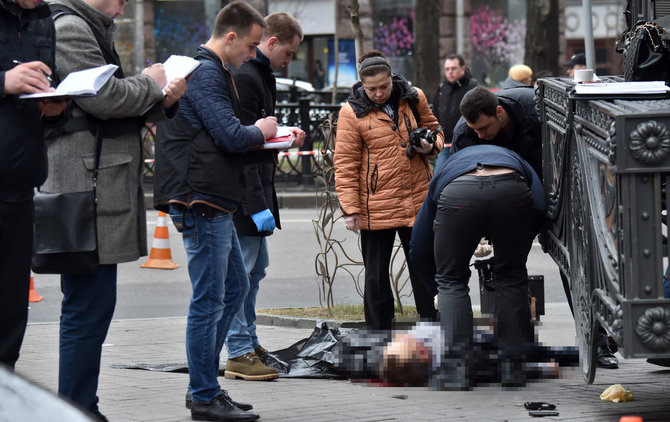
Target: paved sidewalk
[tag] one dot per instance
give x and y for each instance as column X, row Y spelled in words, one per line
column 138, row 395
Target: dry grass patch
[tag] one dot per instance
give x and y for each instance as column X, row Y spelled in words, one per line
column 338, row 312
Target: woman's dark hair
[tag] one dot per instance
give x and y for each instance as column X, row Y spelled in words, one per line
column 373, row 63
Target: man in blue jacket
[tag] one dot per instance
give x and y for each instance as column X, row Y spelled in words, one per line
column 258, row 214
column 482, row 191
column 199, row 181
column 26, row 63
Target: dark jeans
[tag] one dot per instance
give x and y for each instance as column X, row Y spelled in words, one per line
column 377, row 246
column 469, row 208
column 86, row 312
column 16, row 246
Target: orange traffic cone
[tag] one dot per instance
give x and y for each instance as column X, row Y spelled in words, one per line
column 160, row 256
column 32, row 294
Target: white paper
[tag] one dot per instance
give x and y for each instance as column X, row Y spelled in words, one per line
column 643, row 87
column 179, row 67
column 83, row 83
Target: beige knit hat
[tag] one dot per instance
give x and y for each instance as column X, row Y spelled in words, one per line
column 520, row 72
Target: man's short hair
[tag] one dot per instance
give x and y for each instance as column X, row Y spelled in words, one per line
column 237, row 17
column 411, row 372
column 456, row 56
column 283, row 26
column 478, row 101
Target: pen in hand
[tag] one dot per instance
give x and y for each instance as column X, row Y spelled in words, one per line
column 45, row 75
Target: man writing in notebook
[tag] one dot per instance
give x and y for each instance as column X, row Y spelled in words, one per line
column 26, row 61
column 199, row 180
column 85, row 29
column 258, row 214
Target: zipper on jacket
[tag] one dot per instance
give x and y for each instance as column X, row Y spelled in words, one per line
column 373, row 179
column 367, row 182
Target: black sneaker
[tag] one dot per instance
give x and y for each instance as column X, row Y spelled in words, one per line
column 243, row 406
column 220, row 409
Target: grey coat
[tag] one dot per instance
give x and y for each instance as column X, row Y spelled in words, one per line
column 121, row 212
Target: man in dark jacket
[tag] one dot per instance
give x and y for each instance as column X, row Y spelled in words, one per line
column 199, row 180
column 258, row 213
column 508, row 118
column 457, row 82
column 26, row 63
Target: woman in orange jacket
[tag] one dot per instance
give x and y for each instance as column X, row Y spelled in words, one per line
column 385, row 134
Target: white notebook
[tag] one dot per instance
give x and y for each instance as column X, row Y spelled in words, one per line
column 83, row 83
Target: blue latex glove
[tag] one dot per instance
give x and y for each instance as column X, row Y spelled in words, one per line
column 264, row 220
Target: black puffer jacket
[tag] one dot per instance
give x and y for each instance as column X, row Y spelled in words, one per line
column 524, row 135
column 447, row 101
column 25, row 35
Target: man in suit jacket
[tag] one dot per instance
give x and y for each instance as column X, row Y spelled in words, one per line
column 85, row 30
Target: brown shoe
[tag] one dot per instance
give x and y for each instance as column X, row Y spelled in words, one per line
column 260, row 350
column 249, row 367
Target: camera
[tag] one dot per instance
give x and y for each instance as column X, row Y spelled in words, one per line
column 417, row 134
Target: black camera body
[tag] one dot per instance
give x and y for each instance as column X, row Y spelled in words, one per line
column 417, row 134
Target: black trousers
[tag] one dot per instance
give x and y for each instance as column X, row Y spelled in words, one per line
column 377, row 246
column 469, row 208
column 16, row 248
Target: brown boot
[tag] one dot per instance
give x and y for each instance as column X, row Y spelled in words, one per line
column 260, row 350
column 249, row 367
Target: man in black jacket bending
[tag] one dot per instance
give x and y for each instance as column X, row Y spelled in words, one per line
column 508, row 119
column 26, row 64
column 258, row 214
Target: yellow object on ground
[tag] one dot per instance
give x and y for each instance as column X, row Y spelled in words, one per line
column 616, row 393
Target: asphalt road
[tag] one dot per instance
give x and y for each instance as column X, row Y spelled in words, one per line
column 291, row 278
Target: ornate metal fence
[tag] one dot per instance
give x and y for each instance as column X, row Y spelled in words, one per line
column 606, row 168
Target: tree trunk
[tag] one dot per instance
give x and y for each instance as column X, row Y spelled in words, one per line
column 542, row 37
column 336, row 54
column 356, row 28
column 426, row 63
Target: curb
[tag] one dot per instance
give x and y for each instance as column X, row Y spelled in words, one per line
column 307, row 323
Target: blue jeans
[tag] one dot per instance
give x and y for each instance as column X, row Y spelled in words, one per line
column 242, row 337
column 219, row 279
column 86, row 312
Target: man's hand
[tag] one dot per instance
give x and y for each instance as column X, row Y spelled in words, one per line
column 267, row 125
column 52, row 108
column 299, row 137
column 264, row 220
column 174, row 91
column 157, row 73
column 351, row 222
column 28, row 78
column 426, row 147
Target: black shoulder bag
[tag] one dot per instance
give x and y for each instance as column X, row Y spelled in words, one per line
column 66, row 235
column 646, row 50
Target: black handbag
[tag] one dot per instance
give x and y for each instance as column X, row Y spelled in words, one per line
column 646, row 50
column 66, row 239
